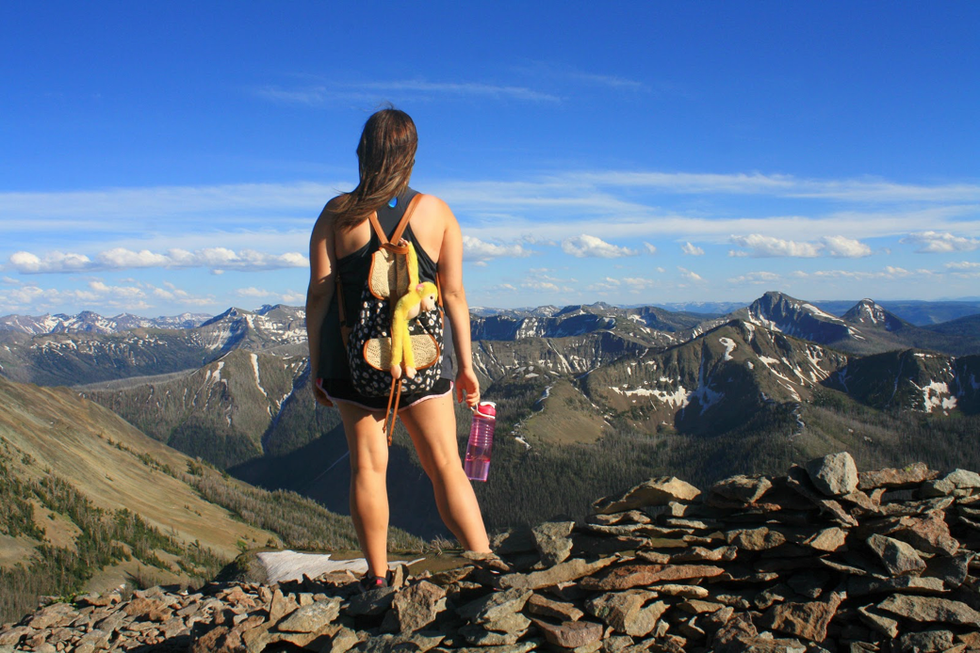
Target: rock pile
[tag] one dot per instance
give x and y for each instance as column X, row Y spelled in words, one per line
column 824, row 559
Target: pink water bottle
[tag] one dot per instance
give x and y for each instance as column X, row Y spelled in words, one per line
column 477, row 462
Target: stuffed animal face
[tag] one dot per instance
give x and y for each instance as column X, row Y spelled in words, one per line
column 429, row 295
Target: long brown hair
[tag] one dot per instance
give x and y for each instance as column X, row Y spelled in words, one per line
column 385, row 156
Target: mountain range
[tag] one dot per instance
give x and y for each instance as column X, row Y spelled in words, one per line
column 590, row 398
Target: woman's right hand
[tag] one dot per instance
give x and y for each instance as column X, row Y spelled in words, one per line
column 467, row 384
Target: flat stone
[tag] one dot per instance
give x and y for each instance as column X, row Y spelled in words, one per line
column 829, row 539
column 939, row 487
column 878, row 621
column 480, row 636
column 798, row 480
column 930, row 609
column 898, row 557
column 561, row 573
column 623, row 611
column 655, row 492
column 698, row 606
column 908, row 477
column 630, row 576
column 963, row 479
column 418, row 605
column 741, row 489
column 495, row 605
column 927, row 641
column 372, row 602
column 552, row 541
column 683, row 591
column 541, row 606
column 806, row 620
column 756, row 539
column 702, row 554
column 929, row 533
column 834, row 474
column 570, row 634
column 311, row 618
column 952, row 571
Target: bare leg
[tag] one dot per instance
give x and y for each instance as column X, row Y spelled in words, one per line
column 432, row 427
column 368, row 487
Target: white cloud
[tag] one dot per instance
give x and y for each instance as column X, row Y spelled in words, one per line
column 321, row 94
column 26, row 262
column 118, row 258
column 963, row 265
column 477, row 250
column 692, row 250
column 842, row 247
column 252, row 292
column 930, row 242
column 689, row 275
column 586, row 245
column 758, row 245
column 760, row 277
column 761, row 246
column 650, row 249
column 546, row 286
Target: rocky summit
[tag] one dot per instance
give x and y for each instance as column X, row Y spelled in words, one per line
column 826, row 558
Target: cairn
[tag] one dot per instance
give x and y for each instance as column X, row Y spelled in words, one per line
column 824, row 559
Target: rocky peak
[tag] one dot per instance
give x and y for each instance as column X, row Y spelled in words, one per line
column 825, row 558
column 871, row 315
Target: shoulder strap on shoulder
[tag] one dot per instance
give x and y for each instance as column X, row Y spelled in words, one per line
column 403, row 223
column 377, row 228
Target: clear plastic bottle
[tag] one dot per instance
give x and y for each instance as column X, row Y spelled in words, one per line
column 477, row 461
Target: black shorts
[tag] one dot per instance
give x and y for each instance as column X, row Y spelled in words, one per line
column 342, row 390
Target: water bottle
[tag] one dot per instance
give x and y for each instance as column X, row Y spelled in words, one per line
column 477, row 462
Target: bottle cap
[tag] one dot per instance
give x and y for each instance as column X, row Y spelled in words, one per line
column 487, row 409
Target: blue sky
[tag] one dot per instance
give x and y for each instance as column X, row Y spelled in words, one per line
column 168, row 157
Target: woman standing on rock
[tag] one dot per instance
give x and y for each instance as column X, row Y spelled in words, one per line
column 342, row 243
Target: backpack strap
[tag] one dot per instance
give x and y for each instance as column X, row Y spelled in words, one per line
column 399, row 230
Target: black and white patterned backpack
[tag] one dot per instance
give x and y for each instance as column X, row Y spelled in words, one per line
column 367, row 335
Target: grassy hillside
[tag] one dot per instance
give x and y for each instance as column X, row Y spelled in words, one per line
column 88, row 502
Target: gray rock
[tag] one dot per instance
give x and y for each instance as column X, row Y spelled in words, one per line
column 560, row 573
column 937, row 488
column 878, row 621
column 834, row 475
column 480, row 636
column 740, row 489
column 655, row 492
column 624, row 612
column 570, row 634
column 963, row 479
column 907, row 477
column 372, row 602
column 495, row 605
column 930, row 609
column 311, row 618
column 418, row 605
column 863, row 586
column 541, row 606
column 898, row 557
column 552, row 541
column 927, row 641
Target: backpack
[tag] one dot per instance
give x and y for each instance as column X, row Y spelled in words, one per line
column 368, row 336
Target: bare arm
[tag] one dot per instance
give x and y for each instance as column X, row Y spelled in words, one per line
column 320, row 291
column 457, row 309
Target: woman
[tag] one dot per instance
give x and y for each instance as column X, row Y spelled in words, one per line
column 342, row 242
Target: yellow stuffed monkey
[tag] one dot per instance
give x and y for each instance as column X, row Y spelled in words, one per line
column 419, row 297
